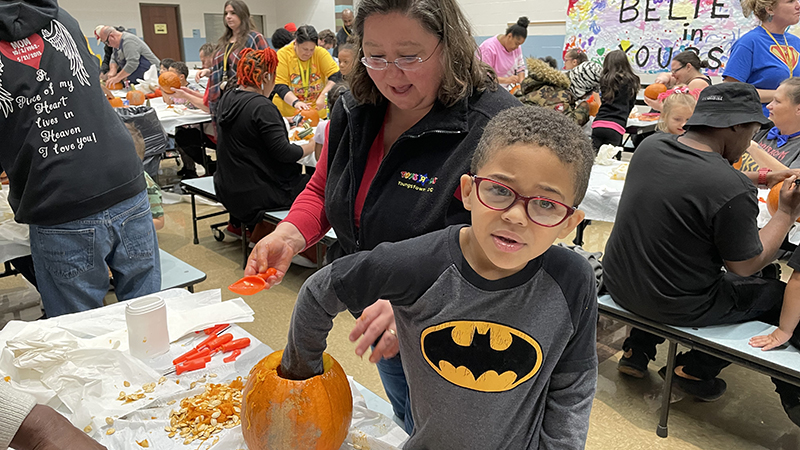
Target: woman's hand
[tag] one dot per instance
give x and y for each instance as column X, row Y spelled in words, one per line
column 201, row 74
column 770, row 341
column 275, row 250
column 655, row 104
column 302, row 105
column 376, row 319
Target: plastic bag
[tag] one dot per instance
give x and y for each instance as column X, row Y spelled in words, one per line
column 145, row 119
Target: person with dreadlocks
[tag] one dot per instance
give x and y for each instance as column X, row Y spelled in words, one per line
column 257, row 166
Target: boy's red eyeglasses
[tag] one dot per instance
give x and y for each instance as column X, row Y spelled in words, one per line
column 541, row 210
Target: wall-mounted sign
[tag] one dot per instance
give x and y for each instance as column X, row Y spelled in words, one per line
column 161, row 28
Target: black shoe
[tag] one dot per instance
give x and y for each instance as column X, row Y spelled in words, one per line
column 705, row 390
column 771, row 271
column 189, row 175
column 633, row 363
column 790, row 399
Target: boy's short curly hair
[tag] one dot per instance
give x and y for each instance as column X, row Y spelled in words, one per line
column 543, row 127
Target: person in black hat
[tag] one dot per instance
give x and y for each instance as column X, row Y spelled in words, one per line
column 685, row 245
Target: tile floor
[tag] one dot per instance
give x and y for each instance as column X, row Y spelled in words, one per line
column 625, row 412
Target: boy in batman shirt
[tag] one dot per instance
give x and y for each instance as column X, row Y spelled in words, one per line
column 496, row 325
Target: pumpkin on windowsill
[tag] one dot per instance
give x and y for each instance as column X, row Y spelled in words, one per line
column 774, row 198
column 312, row 414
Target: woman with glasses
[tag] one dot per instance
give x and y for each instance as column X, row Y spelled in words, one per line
column 686, row 70
column 397, row 145
column 767, row 54
column 306, row 72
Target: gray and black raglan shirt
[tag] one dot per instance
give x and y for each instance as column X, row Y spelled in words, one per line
column 504, row 364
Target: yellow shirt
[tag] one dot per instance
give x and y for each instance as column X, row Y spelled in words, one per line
column 292, row 72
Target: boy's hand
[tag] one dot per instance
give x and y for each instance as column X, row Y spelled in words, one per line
column 777, row 176
column 770, row 341
column 790, row 198
column 320, row 103
column 376, row 319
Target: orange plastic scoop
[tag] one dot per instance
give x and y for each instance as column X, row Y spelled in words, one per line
column 252, row 284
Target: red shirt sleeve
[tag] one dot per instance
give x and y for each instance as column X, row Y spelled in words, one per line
column 308, row 210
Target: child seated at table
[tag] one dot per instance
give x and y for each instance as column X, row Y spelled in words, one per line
column 153, row 189
column 678, row 106
column 182, row 70
column 166, row 63
column 496, row 325
column 321, row 132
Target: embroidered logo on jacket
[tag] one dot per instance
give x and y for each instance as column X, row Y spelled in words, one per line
column 418, row 182
column 481, row 356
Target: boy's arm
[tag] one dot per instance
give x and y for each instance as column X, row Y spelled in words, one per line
column 566, row 414
column 354, row 282
column 312, row 320
column 790, row 312
column 573, row 382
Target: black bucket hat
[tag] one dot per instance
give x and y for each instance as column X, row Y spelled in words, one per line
column 727, row 104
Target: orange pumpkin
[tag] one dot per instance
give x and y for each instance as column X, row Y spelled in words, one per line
column 279, row 414
column 116, row 102
column 169, row 81
column 135, row 98
column 115, row 86
column 653, row 90
column 311, row 115
column 774, row 198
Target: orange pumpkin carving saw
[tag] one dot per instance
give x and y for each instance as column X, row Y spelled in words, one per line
column 279, row 413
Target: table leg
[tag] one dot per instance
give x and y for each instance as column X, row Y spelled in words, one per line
column 190, row 288
column 579, row 232
column 666, row 391
column 194, row 221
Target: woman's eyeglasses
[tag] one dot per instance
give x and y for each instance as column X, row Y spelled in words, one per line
column 674, row 71
column 541, row 210
column 406, row 63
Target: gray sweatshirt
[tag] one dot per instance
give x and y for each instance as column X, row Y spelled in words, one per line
column 529, row 339
column 130, row 52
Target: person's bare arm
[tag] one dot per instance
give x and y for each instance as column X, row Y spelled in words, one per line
column 790, row 317
column 45, row 429
column 773, row 233
column 158, row 222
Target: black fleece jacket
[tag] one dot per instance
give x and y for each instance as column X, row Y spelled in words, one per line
column 257, row 166
column 414, row 191
column 66, row 152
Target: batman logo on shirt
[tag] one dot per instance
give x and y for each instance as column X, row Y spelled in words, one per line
column 481, row 356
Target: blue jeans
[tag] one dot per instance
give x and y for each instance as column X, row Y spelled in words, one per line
column 394, row 383
column 72, row 259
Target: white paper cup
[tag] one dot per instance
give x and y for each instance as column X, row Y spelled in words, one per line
column 148, row 335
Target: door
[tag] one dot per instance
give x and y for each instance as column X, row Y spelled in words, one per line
column 162, row 30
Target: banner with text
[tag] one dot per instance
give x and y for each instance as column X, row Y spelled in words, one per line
column 652, row 32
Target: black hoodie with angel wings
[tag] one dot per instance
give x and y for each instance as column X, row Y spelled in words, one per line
column 67, row 153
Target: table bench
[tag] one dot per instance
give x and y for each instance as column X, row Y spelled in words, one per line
column 176, row 273
column 204, row 187
column 729, row 342
column 274, row 217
